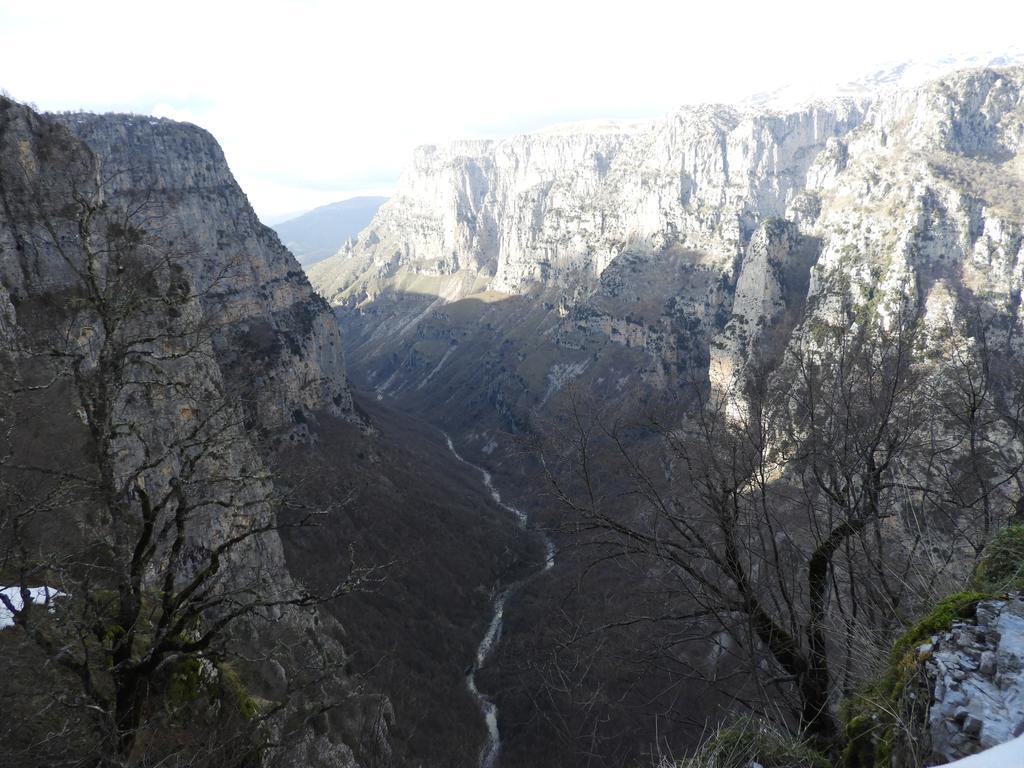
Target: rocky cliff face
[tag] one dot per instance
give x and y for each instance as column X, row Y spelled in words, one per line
column 925, row 195
column 793, row 218
column 542, row 209
column 633, row 234
column 278, row 345
column 976, row 669
column 767, row 302
column 233, row 328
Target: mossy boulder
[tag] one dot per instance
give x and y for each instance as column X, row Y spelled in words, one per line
column 1001, row 568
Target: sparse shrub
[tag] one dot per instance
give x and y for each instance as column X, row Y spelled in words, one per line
column 752, row 741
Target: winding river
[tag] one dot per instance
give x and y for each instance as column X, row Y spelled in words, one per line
column 492, row 747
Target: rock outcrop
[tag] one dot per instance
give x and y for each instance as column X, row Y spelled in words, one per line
column 978, row 673
column 224, row 325
column 544, row 208
column 767, row 303
column 926, row 192
column 277, row 344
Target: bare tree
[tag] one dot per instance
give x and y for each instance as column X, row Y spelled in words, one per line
column 808, row 525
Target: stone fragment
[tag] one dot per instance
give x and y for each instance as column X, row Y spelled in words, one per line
column 987, row 665
column 973, row 726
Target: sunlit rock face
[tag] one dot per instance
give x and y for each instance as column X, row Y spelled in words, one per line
column 793, row 220
column 771, row 287
column 928, row 189
column 542, row 209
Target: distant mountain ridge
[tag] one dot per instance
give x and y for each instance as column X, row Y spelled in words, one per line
column 898, row 75
column 320, row 233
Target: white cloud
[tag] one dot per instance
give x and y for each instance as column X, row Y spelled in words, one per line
column 311, row 98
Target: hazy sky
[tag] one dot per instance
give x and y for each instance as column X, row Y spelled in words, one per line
column 316, row 101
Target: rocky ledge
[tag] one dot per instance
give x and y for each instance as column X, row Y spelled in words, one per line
column 978, row 672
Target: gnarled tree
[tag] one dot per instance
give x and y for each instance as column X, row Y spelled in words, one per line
column 804, row 522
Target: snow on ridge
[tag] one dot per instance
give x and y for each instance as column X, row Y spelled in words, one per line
column 892, row 76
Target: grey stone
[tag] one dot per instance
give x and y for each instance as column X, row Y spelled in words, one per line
column 985, row 708
column 973, row 726
column 987, row 665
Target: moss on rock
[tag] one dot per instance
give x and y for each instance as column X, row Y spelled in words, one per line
column 1002, row 565
column 234, row 690
column 876, row 718
column 184, row 685
column 197, row 680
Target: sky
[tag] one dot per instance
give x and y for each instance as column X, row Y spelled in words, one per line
column 316, row 101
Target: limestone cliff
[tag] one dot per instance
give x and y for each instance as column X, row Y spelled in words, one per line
column 542, row 208
column 925, row 194
column 278, row 346
column 792, row 220
column 215, row 323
